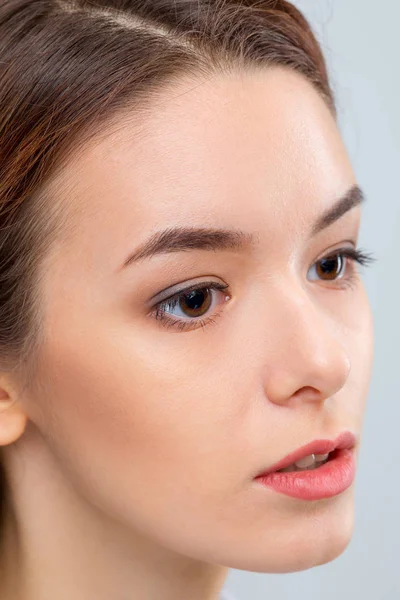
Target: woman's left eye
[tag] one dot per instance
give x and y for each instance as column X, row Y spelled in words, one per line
column 333, row 267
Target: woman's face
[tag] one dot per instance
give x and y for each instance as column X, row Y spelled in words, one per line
column 165, row 423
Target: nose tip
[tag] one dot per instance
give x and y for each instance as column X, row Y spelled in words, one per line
column 308, row 376
column 309, row 361
column 324, row 386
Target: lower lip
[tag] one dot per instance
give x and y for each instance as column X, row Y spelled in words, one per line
column 331, row 479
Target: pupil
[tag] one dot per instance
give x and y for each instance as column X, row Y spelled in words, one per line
column 195, row 299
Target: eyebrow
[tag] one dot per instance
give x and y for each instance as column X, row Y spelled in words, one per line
column 178, row 239
column 352, row 198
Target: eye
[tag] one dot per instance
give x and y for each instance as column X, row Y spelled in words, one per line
column 188, row 306
column 333, row 266
column 330, row 268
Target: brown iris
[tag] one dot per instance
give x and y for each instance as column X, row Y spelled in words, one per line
column 330, row 267
column 196, row 302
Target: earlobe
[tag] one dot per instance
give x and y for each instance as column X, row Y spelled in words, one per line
column 13, row 418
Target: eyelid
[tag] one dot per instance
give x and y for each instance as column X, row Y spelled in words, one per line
column 336, row 248
column 178, row 288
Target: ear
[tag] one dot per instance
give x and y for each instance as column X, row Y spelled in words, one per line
column 13, row 418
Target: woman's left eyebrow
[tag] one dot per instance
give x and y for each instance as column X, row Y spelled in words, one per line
column 178, row 239
column 352, row 198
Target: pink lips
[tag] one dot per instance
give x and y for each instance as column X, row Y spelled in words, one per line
column 345, row 441
column 330, row 479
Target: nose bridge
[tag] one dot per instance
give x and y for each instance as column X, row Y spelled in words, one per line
column 307, row 350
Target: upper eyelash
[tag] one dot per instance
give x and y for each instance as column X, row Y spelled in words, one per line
column 358, row 255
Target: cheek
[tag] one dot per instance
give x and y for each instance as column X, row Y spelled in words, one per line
column 138, row 434
column 127, row 422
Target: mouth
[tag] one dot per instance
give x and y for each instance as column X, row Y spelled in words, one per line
column 313, row 455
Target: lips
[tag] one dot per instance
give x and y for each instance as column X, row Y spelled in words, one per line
column 345, row 440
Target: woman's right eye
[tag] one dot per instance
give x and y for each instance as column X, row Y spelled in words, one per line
column 194, row 303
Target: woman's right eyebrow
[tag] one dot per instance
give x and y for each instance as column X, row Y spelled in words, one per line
column 178, row 239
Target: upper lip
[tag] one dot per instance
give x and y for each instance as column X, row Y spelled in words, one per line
column 343, row 441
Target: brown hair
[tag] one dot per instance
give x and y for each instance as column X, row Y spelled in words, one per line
column 70, row 67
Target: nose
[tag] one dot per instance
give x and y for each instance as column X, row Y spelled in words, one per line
column 306, row 361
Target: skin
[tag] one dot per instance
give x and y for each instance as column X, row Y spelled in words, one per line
column 132, row 471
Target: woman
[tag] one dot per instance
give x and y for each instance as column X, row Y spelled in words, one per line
column 186, row 342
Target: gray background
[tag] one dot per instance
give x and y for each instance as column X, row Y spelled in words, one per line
column 361, row 43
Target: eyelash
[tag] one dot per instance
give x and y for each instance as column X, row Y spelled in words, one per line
column 355, row 255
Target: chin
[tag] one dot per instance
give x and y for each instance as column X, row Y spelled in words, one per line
column 316, row 534
column 313, row 552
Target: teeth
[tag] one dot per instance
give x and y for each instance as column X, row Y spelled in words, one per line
column 308, row 463
column 320, row 457
column 305, row 462
column 288, row 469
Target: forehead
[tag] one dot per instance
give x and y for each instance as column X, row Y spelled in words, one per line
column 235, row 149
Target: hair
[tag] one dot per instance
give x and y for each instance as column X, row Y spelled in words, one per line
column 68, row 70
